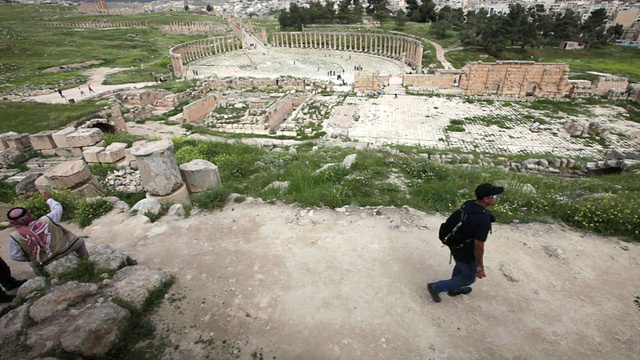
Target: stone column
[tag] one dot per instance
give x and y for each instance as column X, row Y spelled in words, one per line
column 159, row 171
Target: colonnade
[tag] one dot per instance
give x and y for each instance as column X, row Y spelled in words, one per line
column 391, row 46
column 187, row 52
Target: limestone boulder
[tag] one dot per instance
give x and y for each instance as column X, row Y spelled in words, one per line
column 85, row 137
column 69, row 174
column 60, row 137
column 147, row 205
column 18, row 141
column 43, row 184
column 106, row 257
column 28, row 184
column 42, row 140
column 3, row 139
column 59, row 299
column 200, row 175
column 133, row 284
column 12, row 156
column 90, row 154
column 94, row 329
column 112, row 153
column 12, row 323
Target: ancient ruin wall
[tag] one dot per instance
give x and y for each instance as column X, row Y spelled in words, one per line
column 370, row 81
column 281, row 109
column 197, row 111
column 610, row 82
column 441, row 79
column 187, row 52
column 515, row 78
column 391, row 46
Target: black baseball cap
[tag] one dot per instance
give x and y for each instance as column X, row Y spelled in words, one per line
column 484, row 190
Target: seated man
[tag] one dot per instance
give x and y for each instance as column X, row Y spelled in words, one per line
column 44, row 240
column 8, row 282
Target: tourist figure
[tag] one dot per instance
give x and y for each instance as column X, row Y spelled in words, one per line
column 155, row 78
column 8, row 282
column 395, row 94
column 60, row 92
column 44, row 240
column 162, row 79
column 469, row 257
column 81, row 92
column 90, row 89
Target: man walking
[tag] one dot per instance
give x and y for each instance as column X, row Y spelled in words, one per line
column 469, row 257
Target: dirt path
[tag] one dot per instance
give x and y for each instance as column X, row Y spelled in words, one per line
column 295, row 283
column 440, row 55
column 96, row 77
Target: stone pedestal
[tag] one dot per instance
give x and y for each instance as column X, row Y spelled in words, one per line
column 179, row 196
column 158, row 168
column 200, row 175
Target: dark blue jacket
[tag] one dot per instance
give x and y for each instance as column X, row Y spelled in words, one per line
column 476, row 226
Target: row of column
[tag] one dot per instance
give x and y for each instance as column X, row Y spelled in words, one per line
column 377, row 44
column 97, row 24
column 198, row 49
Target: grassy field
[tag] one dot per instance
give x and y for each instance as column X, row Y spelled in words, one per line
column 27, row 47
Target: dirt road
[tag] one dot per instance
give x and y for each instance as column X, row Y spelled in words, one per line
column 295, row 283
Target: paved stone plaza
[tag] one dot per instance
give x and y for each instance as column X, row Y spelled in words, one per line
column 421, row 120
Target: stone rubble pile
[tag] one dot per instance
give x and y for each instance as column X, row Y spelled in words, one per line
column 126, row 180
column 75, row 319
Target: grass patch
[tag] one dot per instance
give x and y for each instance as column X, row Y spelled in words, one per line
column 29, row 117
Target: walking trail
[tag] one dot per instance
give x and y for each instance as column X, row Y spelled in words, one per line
column 293, row 283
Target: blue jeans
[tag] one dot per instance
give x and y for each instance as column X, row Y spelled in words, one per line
column 463, row 275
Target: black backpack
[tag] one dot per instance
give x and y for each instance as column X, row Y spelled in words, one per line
column 449, row 234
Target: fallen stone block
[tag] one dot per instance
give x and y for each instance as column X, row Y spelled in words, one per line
column 3, row 139
column 18, row 141
column 112, row 153
column 12, row 156
column 69, row 174
column 90, row 154
column 60, row 137
column 42, row 140
column 68, row 152
column 84, row 137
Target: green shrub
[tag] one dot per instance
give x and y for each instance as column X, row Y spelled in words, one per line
column 608, row 214
column 211, row 198
column 38, row 207
column 7, row 192
column 101, row 170
column 87, row 211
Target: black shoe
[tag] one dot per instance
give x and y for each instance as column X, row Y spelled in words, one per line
column 4, row 298
column 434, row 294
column 463, row 291
column 15, row 284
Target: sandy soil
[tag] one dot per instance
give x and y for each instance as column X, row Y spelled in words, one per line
column 295, row 283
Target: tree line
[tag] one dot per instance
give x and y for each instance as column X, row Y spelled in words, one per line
column 521, row 26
